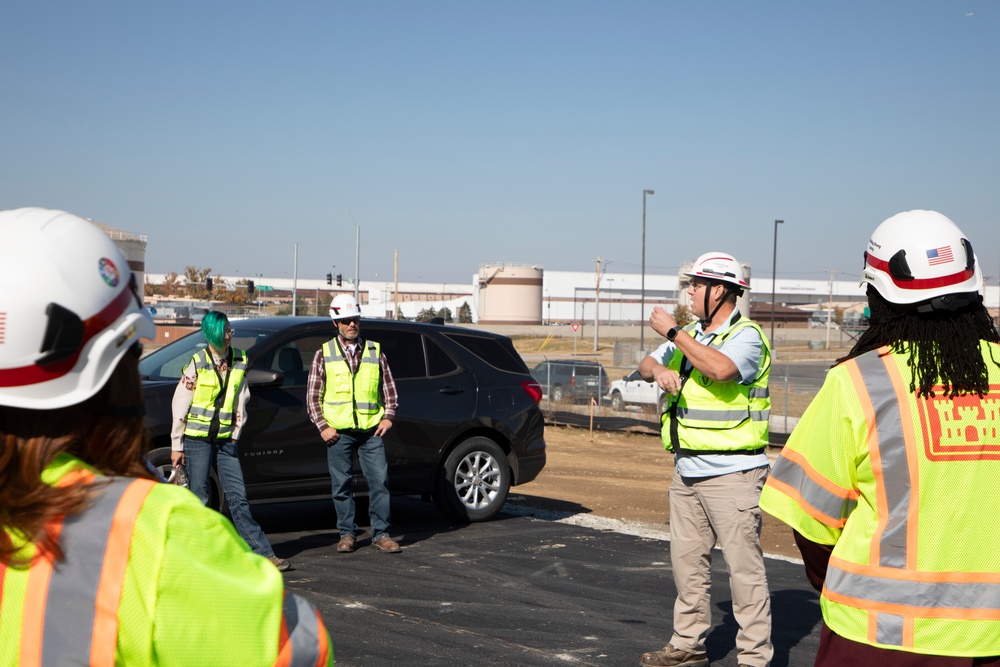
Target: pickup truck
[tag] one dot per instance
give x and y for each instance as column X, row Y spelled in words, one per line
column 633, row 390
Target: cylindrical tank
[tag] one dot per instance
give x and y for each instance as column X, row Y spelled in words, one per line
column 510, row 294
column 743, row 302
column 133, row 246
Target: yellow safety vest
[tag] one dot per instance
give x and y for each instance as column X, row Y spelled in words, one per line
column 905, row 488
column 151, row 577
column 211, row 413
column 709, row 417
column 351, row 400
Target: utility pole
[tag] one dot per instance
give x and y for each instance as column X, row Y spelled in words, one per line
column 395, row 276
column 829, row 308
column 597, row 303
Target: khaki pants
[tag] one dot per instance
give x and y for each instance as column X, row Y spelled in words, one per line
column 723, row 508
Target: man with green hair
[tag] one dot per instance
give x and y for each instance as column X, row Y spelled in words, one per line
column 209, row 410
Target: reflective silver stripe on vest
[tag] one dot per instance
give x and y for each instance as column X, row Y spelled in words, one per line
column 892, row 451
column 760, row 392
column 303, row 630
column 834, row 507
column 724, row 416
column 891, row 448
column 922, row 595
column 71, row 601
column 207, row 412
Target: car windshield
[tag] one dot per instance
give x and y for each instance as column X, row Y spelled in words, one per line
column 169, row 362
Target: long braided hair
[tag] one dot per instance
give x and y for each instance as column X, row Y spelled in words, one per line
column 942, row 346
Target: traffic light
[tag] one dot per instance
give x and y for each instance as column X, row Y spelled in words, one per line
column 329, row 279
column 208, row 285
column 340, row 279
column 250, row 286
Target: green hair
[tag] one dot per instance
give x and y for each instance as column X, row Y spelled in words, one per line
column 213, row 327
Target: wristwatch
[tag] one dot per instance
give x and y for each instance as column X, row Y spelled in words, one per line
column 672, row 334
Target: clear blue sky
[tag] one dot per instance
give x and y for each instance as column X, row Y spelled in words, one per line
column 463, row 132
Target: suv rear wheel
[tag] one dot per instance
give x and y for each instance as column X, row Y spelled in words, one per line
column 474, row 481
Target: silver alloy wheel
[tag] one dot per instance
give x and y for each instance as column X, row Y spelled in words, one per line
column 478, row 480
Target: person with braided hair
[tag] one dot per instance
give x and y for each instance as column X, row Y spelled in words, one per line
column 889, row 479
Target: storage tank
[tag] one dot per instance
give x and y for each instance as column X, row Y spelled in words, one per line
column 133, row 246
column 509, row 293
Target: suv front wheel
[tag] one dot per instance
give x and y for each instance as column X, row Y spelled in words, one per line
column 474, row 481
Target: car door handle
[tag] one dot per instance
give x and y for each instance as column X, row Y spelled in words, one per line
column 452, row 389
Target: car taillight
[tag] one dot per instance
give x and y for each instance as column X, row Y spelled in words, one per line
column 572, row 380
column 532, row 389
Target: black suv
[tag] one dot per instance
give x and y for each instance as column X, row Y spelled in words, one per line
column 468, row 425
column 571, row 379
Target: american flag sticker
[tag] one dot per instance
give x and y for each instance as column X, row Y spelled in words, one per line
column 3, row 326
column 940, row 256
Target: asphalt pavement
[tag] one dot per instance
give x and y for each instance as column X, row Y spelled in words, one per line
column 517, row 590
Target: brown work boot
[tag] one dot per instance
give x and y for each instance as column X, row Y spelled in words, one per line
column 345, row 545
column 668, row 656
column 387, row 545
column 280, row 563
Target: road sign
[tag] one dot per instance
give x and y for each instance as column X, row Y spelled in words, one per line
column 575, row 326
column 264, row 288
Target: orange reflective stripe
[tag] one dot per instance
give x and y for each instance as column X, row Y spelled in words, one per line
column 324, row 644
column 109, row 591
column 33, row 616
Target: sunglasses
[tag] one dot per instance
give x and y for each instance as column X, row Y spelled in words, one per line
column 349, row 320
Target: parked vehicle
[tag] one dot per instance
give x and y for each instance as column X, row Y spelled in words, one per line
column 571, row 379
column 468, row 425
column 633, row 390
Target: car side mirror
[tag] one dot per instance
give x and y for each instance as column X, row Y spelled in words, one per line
column 259, row 377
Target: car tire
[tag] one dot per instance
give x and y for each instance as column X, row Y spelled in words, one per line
column 616, row 401
column 557, row 393
column 661, row 405
column 160, row 460
column 473, row 482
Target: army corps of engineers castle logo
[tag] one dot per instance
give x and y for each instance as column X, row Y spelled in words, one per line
column 963, row 428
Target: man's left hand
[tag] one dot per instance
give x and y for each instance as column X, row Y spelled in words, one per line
column 661, row 321
column 382, row 427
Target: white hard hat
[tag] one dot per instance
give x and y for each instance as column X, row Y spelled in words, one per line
column 921, row 260
column 719, row 266
column 68, row 309
column 344, row 306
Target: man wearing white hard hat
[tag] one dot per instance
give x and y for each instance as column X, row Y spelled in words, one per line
column 716, row 424
column 351, row 397
column 890, row 478
column 100, row 564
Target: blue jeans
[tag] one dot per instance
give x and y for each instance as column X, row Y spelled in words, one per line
column 371, row 456
column 199, row 457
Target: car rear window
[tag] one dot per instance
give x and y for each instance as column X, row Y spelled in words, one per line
column 412, row 355
column 497, row 352
column 588, row 370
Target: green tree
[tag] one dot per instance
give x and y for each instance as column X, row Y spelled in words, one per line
column 465, row 313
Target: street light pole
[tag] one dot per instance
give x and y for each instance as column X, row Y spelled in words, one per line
column 774, row 275
column 642, row 284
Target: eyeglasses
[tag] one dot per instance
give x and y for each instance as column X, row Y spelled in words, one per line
column 696, row 284
column 229, row 331
column 349, row 320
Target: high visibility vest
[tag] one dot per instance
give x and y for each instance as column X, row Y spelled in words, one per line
column 211, row 413
column 351, row 400
column 709, row 417
column 150, row 577
column 905, row 488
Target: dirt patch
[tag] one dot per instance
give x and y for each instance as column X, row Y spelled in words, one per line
column 618, row 476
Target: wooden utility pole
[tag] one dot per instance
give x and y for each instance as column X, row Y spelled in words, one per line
column 597, row 303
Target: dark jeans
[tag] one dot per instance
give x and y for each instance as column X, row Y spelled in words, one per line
column 200, row 456
column 371, row 456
